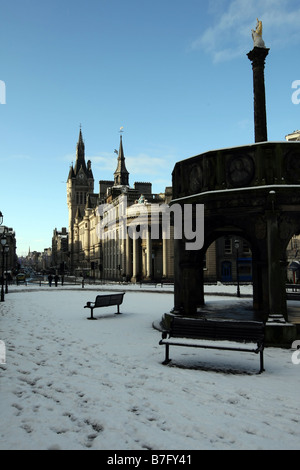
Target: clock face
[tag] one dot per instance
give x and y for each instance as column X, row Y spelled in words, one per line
column 81, row 176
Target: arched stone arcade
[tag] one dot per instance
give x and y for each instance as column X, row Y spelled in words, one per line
column 251, row 191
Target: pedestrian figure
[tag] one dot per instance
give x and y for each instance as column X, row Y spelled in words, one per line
column 62, row 280
column 56, row 278
column 50, row 279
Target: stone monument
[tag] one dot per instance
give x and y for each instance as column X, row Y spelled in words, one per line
column 258, row 56
column 252, row 192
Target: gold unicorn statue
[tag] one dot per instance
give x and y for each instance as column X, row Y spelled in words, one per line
column 257, row 35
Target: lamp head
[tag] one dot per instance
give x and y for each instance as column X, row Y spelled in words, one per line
column 237, row 244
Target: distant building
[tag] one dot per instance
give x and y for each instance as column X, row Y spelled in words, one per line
column 294, row 137
column 293, row 249
column 293, row 260
column 225, row 262
column 60, row 246
column 10, row 258
column 113, row 256
column 45, row 260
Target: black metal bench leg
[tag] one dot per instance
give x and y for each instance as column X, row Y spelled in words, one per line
column 167, row 358
column 91, row 317
column 261, row 362
column 118, row 312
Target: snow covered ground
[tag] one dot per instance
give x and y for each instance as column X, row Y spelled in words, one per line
column 70, row 383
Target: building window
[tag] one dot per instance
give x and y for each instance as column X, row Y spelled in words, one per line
column 228, row 246
column 246, row 248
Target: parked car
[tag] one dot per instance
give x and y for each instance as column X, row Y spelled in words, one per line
column 20, row 277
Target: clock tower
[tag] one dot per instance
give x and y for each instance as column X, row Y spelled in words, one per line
column 80, row 183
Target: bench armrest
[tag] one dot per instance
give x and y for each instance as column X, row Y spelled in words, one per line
column 89, row 304
column 164, row 334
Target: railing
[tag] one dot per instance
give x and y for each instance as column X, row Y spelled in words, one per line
column 79, row 281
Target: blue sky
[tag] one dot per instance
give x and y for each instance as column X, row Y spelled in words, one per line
column 174, row 74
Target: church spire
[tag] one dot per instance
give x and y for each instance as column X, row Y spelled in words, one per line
column 121, row 174
column 80, row 155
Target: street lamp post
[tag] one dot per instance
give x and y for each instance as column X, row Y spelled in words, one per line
column 6, row 250
column 237, row 245
column 3, row 243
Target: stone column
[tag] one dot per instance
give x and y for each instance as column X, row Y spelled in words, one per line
column 165, row 258
column 260, row 278
column 135, row 259
column 258, row 56
column 128, row 256
column 149, row 254
column 276, row 268
column 188, row 280
column 277, row 292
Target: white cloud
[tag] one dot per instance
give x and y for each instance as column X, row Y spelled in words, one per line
column 147, row 165
column 155, row 165
column 69, row 157
column 229, row 36
column 141, row 167
column 106, row 161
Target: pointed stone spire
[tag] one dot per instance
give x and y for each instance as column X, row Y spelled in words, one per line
column 121, row 174
column 89, row 169
column 71, row 173
column 80, row 155
column 80, row 144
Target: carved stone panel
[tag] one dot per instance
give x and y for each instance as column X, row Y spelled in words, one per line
column 293, row 167
column 240, row 171
column 196, row 179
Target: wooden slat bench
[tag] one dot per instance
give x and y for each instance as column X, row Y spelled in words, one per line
column 293, row 291
column 105, row 300
column 214, row 330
